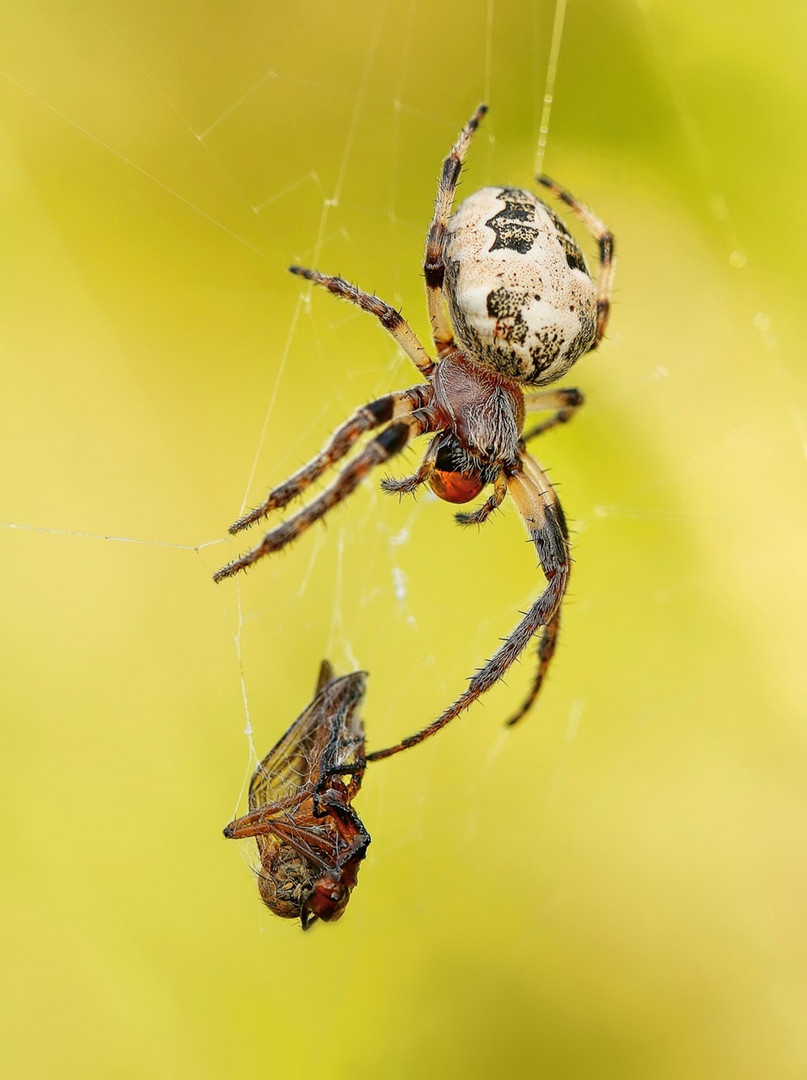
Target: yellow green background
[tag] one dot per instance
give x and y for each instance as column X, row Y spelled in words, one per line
column 617, row 887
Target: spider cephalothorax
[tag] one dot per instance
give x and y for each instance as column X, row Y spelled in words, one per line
column 512, row 307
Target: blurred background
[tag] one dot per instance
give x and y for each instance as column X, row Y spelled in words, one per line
column 616, row 888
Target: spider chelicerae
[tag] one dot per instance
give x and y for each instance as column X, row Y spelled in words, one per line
column 512, row 307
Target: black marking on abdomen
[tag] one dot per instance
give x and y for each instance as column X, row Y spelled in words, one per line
column 574, row 256
column 507, row 308
column 515, row 225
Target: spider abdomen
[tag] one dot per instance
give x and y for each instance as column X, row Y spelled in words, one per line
column 520, row 297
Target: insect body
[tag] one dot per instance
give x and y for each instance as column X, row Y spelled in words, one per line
column 310, row 839
column 511, row 306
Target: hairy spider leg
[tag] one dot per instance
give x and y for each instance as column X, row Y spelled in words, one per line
column 434, row 266
column 550, row 633
column 332, row 793
column 405, row 485
column 388, row 443
column 565, row 402
column 605, row 241
column 390, row 319
column 335, row 802
column 530, row 489
column 483, row 512
column 545, row 652
column 381, row 411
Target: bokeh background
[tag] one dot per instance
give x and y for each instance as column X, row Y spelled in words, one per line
column 616, row 888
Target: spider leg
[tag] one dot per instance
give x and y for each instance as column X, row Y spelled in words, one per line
column 390, row 319
column 545, row 652
column 333, row 803
column 390, row 442
column 542, row 515
column 390, row 407
column 605, row 240
column 324, row 792
column 483, row 512
column 549, row 637
column 434, row 267
column 565, row 403
column 406, row 485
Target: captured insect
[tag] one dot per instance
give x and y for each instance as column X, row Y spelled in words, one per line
column 310, row 839
column 512, row 306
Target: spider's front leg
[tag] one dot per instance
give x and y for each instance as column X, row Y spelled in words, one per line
column 324, row 793
column 352, row 828
column 378, row 412
column 379, row 450
column 557, row 555
column 407, row 485
column 543, row 517
column 545, row 652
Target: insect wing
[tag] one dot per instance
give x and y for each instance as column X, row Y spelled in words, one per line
column 327, row 734
column 345, row 744
column 310, row 840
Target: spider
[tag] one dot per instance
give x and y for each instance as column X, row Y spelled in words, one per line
column 310, row 839
column 512, row 306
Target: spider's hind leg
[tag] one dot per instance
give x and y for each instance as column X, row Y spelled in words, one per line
column 605, row 242
column 433, row 264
